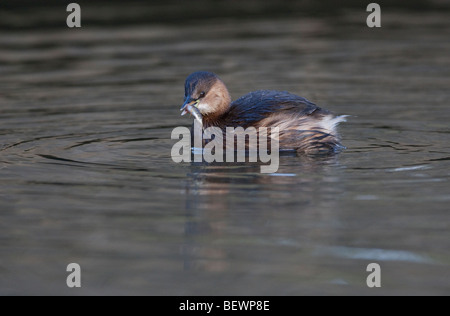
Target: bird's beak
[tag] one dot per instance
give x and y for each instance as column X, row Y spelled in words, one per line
column 186, row 104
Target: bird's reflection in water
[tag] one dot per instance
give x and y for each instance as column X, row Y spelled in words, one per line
column 230, row 207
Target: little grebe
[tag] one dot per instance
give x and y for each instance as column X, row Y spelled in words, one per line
column 303, row 126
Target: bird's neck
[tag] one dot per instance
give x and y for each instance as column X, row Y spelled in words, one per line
column 222, row 107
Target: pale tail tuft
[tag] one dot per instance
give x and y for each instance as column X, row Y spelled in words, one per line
column 329, row 123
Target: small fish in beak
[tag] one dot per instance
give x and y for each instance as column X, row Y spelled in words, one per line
column 190, row 107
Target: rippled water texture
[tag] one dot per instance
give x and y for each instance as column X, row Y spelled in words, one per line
column 86, row 174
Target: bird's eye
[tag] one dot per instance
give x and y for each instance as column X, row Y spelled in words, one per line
column 202, row 95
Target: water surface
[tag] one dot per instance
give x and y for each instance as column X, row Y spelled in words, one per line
column 86, row 174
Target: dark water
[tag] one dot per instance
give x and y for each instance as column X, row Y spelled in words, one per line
column 86, row 174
